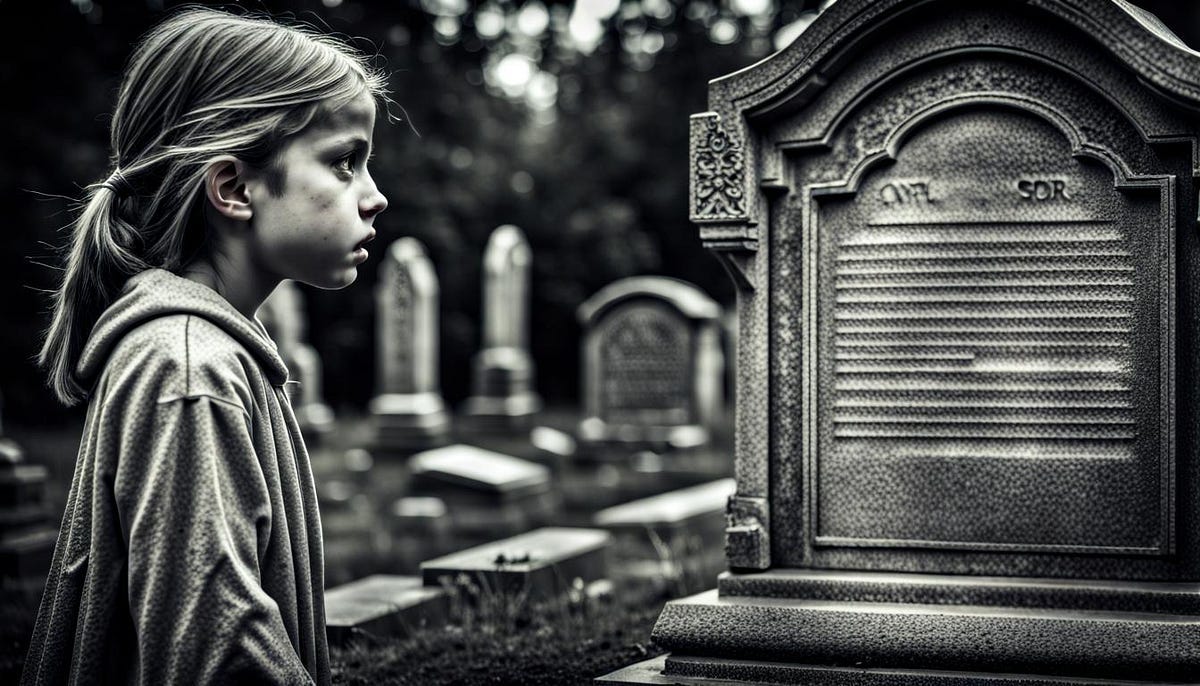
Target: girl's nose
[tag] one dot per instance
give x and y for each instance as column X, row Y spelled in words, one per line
column 373, row 204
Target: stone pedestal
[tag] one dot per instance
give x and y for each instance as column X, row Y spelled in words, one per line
column 283, row 315
column 409, row 413
column 964, row 241
column 503, row 398
column 26, row 537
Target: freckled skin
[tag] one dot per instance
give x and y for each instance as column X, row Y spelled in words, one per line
column 310, row 231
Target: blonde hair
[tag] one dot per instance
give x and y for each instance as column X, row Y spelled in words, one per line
column 200, row 85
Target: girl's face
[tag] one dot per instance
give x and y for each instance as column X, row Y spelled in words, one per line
column 315, row 229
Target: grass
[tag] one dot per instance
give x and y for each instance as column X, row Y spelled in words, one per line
column 502, row 638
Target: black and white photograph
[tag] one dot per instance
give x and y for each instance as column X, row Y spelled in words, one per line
column 541, row 342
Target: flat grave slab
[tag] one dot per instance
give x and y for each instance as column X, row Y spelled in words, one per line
column 478, row 469
column 545, row 561
column 382, row 605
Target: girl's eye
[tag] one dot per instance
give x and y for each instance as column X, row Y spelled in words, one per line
column 346, row 164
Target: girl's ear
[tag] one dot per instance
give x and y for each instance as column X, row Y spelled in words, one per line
column 225, row 188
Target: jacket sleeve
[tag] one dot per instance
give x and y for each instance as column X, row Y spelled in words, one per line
column 194, row 505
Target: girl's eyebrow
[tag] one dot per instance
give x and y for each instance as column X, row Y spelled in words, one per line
column 358, row 142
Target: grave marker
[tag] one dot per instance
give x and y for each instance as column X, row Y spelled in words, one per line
column 409, row 413
column 282, row 314
column 544, row 562
column 382, row 605
column 652, row 364
column 964, row 240
column 503, row 398
column 488, row 495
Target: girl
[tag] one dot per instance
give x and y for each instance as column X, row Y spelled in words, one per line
column 190, row 551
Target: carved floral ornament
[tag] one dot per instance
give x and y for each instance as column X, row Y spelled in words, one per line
column 718, row 167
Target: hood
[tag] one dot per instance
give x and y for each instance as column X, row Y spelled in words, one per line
column 158, row 293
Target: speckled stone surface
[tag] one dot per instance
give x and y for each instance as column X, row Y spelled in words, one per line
column 1057, row 642
column 677, row 668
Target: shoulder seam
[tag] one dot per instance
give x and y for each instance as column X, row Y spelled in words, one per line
column 167, row 400
column 187, row 357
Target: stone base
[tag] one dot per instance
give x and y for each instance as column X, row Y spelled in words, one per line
column 1050, row 641
column 502, row 414
column 315, row 420
column 671, row 670
column 409, row 422
column 382, row 606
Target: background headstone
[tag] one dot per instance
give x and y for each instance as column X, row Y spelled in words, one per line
column 652, row 364
column 408, row 412
column 488, row 495
column 282, row 313
column 542, row 563
column 503, row 396
column 26, row 536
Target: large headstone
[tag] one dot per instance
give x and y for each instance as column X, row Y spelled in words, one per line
column 652, row 364
column 408, row 412
column 503, row 397
column 282, row 314
column 965, row 242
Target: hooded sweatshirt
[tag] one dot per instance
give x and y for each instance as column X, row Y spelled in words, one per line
column 190, row 549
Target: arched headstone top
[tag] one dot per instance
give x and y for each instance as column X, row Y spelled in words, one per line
column 1105, row 51
column 506, row 248
column 1135, row 37
column 407, row 255
column 683, row 296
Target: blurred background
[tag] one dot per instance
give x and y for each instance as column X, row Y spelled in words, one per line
column 568, row 119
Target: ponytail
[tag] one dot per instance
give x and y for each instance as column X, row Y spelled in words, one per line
column 103, row 253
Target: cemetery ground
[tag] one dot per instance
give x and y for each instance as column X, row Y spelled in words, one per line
column 487, row 636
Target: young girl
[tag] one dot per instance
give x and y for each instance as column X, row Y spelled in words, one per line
column 190, row 551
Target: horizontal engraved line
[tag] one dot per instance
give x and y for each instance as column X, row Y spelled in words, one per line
column 970, row 371
column 992, row 222
column 934, row 383
column 978, row 329
column 904, row 356
column 960, row 343
column 1113, row 298
column 1066, row 404
column 941, row 256
column 1031, row 421
column 898, row 285
column 876, row 315
column 1105, row 237
column 1000, row 432
column 849, row 270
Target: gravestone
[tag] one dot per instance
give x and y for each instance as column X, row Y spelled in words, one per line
column 964, row 237
column 488, row 495
column 409, row 413
column 282, row 314
column 382, row 606
column 543, row 563
column 26, row 537
column 503, row 398
column 652, row 364
column 670, row 534
column 420, row 528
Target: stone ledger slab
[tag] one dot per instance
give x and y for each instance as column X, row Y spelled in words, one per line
column 382, row 605
column 545, row 561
